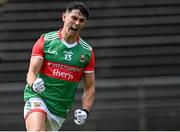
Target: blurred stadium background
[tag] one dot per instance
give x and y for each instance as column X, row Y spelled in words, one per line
column 137, row 47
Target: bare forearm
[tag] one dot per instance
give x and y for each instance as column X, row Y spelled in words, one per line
column 31, row 77
column 35, row 65
column 88, row 99
column 89, row 91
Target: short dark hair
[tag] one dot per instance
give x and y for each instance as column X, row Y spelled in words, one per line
column 80, row 6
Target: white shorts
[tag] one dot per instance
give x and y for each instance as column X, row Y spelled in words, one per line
column 54, row 122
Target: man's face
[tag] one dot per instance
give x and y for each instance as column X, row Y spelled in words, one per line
column 74, row 21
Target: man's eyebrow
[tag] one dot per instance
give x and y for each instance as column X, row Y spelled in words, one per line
column 78, row 17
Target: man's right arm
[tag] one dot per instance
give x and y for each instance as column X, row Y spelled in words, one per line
column 36, row 61
column 34, row 67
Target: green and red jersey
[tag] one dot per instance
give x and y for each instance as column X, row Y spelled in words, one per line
column 63, row 66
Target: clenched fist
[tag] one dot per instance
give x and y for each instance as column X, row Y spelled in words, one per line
column 38, row 85
column 80, row 116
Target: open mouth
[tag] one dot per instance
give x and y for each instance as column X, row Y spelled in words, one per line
column 75, row 29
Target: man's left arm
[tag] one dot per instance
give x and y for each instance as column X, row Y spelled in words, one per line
column 89, row 91
column 87, row 99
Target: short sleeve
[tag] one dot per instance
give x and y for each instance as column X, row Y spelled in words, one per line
column 90, row 67
column 38, row 47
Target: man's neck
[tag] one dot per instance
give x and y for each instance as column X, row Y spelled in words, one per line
column 69, row 39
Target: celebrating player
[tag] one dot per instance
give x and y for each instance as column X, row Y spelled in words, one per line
column 59, row 59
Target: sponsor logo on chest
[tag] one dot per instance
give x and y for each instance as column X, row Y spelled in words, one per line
column 52, row 52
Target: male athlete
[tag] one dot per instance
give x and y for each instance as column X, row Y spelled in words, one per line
column 59, row 59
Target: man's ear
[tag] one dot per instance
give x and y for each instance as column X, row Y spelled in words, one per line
column 63, row 16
